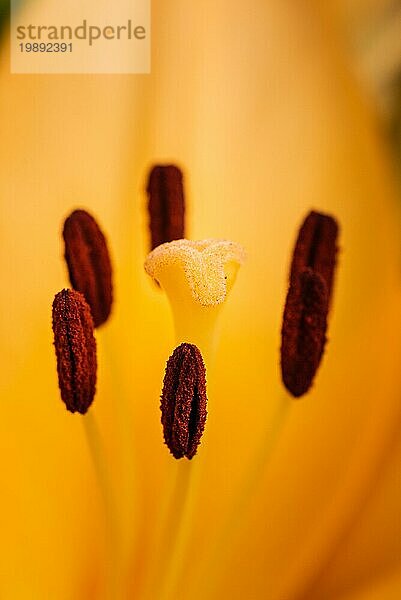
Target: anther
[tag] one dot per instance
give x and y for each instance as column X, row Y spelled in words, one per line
column 303, row 334
column 183, row 401
column 75, row 347
column 89, row 264
column 316, row 248
column 166, row 204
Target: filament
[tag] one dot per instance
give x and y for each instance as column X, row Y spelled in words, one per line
column 255, row 472
column 97, row 453
column 181, row 515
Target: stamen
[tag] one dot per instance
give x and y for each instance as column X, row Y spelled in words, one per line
column 166, row 204
column 75, row 348
column 89, row 264
column 183, row 401
column 304, row 332
column 308, row 301
column 316, row 248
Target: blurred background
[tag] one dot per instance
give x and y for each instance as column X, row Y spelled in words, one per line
column 272, row 109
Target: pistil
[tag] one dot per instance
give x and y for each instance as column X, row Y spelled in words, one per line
column 197, row 278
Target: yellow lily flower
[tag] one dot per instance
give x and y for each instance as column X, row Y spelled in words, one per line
column 258, row 103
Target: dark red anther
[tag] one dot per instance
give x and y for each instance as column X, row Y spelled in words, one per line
column 183, row 401
column 303, row 334
column 75, row 347
column 166, row 204
column 316, row 248
column 89, row 264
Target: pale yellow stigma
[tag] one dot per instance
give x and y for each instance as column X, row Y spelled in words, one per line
column 209, row 266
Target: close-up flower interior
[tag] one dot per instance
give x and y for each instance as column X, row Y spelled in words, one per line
column 200, row 311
